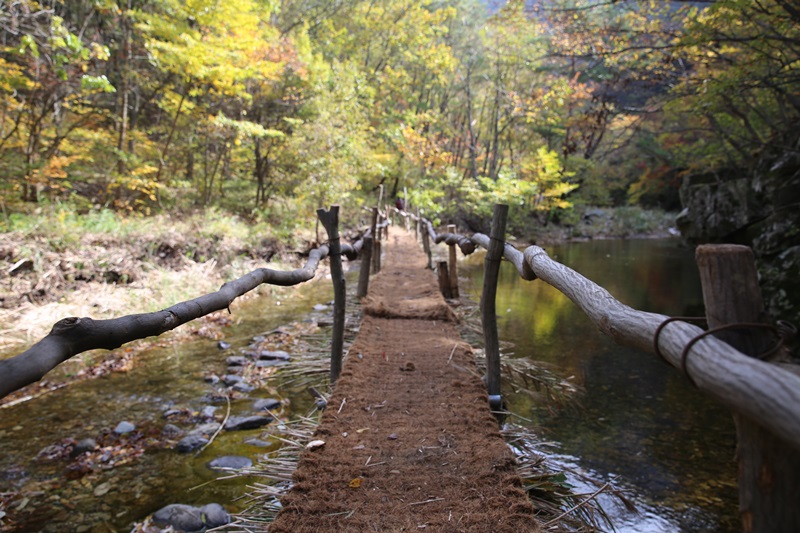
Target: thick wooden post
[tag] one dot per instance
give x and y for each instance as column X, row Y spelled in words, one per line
column 488, row 307
column 451, row 228
column 416, row 225
column 366, row 264
column 330, row 220
column 769, row 469
column 376, row 241
column 444, row 280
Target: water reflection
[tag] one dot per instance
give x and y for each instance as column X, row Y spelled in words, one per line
column 637, row 417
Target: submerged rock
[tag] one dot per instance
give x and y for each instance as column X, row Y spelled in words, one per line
column 230, row 379
column 208, row 411
column 82, row 446
column 265, row 364
column 274, row 355
column 123, row 428
column 236, row 360
column 190, row 443
column 188, row 518
column 236, row 423
column 170, row 431
column 243, row 387
column 236, row 462
column 266, row 404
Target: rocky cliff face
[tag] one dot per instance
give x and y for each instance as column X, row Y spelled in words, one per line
column 758, row 207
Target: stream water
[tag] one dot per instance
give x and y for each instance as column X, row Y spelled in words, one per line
column 635, row 419
column 162, row 379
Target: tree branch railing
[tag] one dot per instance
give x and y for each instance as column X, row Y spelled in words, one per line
column 72, row 336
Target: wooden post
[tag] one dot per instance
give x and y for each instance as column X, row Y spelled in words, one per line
column 416, row 226
column 366, row 264
column 488, row 307
column 330, row 220
column 426, row 245
column 769, row 469
column 444, row 280
column 376, row 240
column 451, row 228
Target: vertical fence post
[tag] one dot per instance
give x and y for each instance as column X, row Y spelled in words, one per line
column 416, row 225
column 366, row 264
column 444, row 280
column 768, row 467
column 488, row 305
column 451, row 228
column 376, row 241
column 426, row 244
column 330, row 220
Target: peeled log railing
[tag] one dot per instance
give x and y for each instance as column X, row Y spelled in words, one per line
column 764, row 397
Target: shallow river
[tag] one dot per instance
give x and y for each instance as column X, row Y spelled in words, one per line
column 635, row 417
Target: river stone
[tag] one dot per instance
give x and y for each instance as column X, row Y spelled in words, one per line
column 171, row 431
column 190, row 443
column 215, row 515
column 230, row 379
column 204, row 429
column 279, row 355
column 320, row 307
column 82, row 446
column 212, row 379
column 208, row 411
column 235, row 423
column 266, row 404
column 181, row 517
column 265, row 364
column 123, row 428
column 243, row 387
column 257, row 442
column 222, row 345
column 235, row 462
column 236, row 360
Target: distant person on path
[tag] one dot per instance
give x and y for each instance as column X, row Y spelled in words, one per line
column 400, row 204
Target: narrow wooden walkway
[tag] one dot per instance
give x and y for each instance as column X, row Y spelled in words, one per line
column 410, row 443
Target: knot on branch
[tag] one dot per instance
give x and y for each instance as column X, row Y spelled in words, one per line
column 66, row 325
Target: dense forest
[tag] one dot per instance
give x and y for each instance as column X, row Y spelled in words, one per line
column 271, row 108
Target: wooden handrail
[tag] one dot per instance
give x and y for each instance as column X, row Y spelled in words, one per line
column 761, row 391
column 72, row 336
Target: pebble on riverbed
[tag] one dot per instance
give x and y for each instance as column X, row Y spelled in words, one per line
column 123, row 428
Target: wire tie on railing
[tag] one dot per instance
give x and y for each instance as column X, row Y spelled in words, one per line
column 783, row 333
column 694, row 319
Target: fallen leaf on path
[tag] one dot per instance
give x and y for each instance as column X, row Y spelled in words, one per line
column 355, row 483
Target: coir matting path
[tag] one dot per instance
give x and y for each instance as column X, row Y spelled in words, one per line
column 410, row 443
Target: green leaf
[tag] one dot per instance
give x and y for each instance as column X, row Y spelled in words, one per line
column 97, row 83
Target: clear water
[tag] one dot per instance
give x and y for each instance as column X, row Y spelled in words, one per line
column 163, row 378
column 636, row 417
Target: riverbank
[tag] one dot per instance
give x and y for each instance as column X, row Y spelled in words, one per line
column 57, row 264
